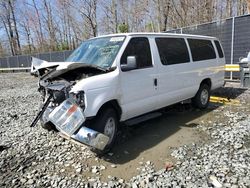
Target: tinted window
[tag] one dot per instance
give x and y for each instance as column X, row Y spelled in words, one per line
column 218, row 46
column 172, row 50
column 138, row 47
column 201, row 49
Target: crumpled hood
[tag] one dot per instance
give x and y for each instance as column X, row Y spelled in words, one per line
column 55, row 69
column 39, row 64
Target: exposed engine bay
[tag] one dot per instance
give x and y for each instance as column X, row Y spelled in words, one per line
column 61, row 107
column 59, row 82
column 59, row 85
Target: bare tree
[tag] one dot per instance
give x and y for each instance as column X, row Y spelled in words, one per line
column 9, row 21
column 248, row 6
column 11, row 6
column 110, row 18
column 38, row 18
column 114, row 15
column 2, row 50
column 138, row 14
column 124, row 11
column 25, row 25
column 50, row 25
column 87, row 9
column 229, row 9
column 163, row 9
column 167, row 7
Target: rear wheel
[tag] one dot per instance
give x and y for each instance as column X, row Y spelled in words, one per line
column 106, row 122
column 201, row 99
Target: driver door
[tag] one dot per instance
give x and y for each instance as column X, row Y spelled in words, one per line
column 138, row 86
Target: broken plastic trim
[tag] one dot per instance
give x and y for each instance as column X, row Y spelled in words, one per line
column 68, row 117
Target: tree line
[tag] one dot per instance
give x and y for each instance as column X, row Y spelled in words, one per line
column 32, row 26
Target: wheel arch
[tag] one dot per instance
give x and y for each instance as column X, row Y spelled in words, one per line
column 207, row 81
column 112, row 104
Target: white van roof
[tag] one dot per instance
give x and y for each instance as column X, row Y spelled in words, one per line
column 158, row 34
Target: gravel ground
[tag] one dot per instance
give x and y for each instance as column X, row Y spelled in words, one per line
column 33, row 157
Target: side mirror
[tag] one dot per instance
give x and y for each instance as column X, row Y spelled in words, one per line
column 131, row 64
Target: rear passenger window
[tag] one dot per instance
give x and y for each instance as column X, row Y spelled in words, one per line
column 172, row 50
column 201, row 49
column 140, row 48
column 218, row 46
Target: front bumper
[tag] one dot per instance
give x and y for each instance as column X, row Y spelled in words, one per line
column 69, row 118
column 91, row 138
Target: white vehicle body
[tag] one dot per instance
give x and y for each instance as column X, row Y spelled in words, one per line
column 135, row 91
column 142, row 90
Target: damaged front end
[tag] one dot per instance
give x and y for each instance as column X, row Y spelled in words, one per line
column 63, row 108
column 69, row 119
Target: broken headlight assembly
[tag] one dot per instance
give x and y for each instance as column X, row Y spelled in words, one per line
column 78, row 98
column 67, row 117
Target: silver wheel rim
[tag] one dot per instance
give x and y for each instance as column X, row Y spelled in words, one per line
column 204, row 97
column 109, row 129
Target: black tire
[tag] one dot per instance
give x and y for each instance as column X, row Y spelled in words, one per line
column 100, row 122
column 201, row 99
column 48, row 126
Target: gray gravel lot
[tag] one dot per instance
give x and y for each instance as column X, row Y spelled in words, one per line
column 33, row 157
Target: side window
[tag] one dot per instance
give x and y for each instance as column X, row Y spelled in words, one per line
column 172, row 50
column 219, row 49
column 201, row 49
column 140, row 48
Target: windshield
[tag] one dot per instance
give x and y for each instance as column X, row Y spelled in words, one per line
column 100, row 51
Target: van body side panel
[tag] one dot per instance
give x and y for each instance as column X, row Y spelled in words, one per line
column 181, row 81
column 176, row 82
column 209, row 68
column 138, row 92
column 137, row 88
column 99, row 90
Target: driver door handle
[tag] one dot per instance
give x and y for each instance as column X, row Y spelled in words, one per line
column 155, row 82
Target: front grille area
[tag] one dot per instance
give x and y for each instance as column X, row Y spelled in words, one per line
column 58, row 97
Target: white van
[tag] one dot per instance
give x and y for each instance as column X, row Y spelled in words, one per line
column 116, row 78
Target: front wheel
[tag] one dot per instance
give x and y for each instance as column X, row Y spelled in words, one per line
column 45, row 123
column 48, row 126
column 106, row 122
column 201, row 99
